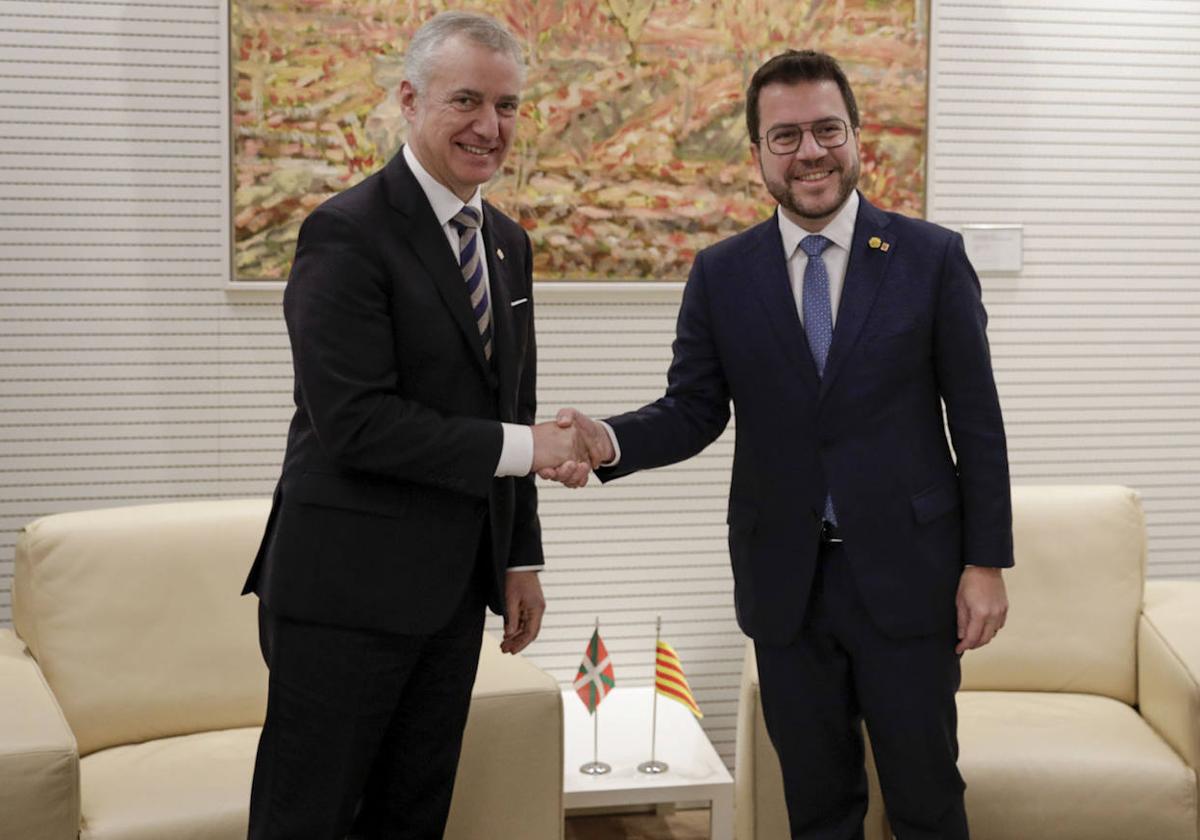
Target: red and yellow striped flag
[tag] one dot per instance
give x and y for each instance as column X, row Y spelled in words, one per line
column 669, row 679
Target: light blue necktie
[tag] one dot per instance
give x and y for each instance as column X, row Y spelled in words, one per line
column 470, row 260
column 818, row 317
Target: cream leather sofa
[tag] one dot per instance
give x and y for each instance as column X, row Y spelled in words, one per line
column 1081, row 721
column 132, row 692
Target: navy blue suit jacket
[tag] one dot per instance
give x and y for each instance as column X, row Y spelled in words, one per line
column 388, row 498
column 909, row 335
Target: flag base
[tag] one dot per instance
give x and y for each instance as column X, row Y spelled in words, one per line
column 595, row 768
column 653, row 767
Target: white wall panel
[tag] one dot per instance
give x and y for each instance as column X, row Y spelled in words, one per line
column 1079, row 119
column 128, row 374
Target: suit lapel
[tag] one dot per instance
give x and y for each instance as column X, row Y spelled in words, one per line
column 774, row 291
column 504, row 347
column 428, row 241
column 864, row 276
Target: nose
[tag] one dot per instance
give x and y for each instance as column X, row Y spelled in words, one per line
column 487, row 124
column 809, row 148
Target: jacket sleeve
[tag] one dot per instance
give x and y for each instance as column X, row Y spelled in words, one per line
column 527, row 529
column 695, row 408
column 968, row 389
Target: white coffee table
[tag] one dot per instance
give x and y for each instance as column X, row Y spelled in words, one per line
column 696, row 771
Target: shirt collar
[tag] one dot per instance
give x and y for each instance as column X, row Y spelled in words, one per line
column 445, row 204
column 839, row 231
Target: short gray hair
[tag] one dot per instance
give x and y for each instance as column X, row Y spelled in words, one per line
column 483, row 30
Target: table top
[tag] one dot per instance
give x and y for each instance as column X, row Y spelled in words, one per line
column 695, row 770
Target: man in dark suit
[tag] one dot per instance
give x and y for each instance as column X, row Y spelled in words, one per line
column 866, row 556
column 406, row 501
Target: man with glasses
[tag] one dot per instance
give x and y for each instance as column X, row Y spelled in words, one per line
column 866, row 555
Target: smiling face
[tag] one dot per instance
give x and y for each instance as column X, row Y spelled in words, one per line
column 461, row 124
column 812, row 183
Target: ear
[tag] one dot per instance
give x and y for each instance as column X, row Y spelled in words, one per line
column 754, row 153
column 406, row 94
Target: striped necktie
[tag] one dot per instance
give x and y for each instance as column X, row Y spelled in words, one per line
column 470, row 260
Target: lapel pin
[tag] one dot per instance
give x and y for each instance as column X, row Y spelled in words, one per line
column 884, row 247
column 500, row 253
column 874, row 242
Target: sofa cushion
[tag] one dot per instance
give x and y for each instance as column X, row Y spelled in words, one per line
column 1074, row 596
column 191, row 787
column 1071, row 767
column 134, row 616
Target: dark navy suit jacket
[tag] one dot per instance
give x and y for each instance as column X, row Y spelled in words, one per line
column 909, row 336
column 387, row 498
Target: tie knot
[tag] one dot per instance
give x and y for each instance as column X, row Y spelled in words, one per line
column 814, row 245
column 468, row 217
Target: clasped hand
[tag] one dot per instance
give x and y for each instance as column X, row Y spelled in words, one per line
column 569, row 447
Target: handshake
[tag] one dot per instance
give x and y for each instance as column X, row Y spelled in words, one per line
column 569, row 447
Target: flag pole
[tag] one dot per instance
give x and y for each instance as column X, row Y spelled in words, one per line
column 654, row 767
column 596, row 767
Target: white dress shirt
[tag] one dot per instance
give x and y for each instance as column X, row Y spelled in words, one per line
column 516, row 454
column 840, row 233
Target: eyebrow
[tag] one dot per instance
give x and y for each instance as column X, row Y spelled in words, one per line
column 475, row 94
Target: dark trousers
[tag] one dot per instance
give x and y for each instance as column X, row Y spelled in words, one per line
column 842, row 669
column 363, row 729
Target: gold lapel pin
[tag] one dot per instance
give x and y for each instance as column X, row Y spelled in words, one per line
column 500, row 253
column 874, row 242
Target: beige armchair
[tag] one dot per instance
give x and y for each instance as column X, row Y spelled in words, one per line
column 132, row 692
column 1081, row 721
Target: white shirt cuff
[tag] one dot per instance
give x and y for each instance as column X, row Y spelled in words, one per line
column 524, row 568
column 612, row 436
column 516, row 455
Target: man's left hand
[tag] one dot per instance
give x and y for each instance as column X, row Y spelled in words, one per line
column 523, row 608
column 982, row 606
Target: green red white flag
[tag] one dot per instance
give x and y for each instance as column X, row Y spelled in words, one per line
column 595, row 678
column 669, row 680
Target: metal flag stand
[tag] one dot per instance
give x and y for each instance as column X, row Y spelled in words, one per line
column 654, row 767
column 595, row 767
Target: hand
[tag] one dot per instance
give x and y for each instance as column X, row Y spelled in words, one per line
column 982, row 607
column 594, row 436
column 523, row 609
column 558, row 450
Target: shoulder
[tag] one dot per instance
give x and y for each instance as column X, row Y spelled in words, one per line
column 502, row 228
column 737, row 248
column 908, row 227
column 500, row 222
column 359, row 201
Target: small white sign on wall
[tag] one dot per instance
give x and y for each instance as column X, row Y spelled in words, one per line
column 994, row 249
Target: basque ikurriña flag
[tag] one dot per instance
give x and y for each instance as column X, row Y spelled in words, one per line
column 595, row 677
column 669, row 679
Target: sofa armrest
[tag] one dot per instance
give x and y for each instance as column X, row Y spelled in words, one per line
column 39, row 761
column 510, row 775
column 1169, row 664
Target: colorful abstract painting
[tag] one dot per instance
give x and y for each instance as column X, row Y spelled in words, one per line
column 631, row 151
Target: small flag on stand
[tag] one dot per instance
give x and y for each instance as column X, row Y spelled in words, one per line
column 595, row 678
column 669, row 680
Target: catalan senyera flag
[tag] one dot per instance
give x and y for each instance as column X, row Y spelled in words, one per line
column 669, row 679
column 595, row 678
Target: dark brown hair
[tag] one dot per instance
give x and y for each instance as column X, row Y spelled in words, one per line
column 797, row 66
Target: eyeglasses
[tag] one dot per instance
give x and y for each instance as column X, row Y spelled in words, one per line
column 829, row 133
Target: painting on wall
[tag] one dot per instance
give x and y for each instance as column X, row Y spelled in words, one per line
column 631, row 151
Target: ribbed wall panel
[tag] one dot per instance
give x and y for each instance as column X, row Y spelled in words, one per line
column 129, row 374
